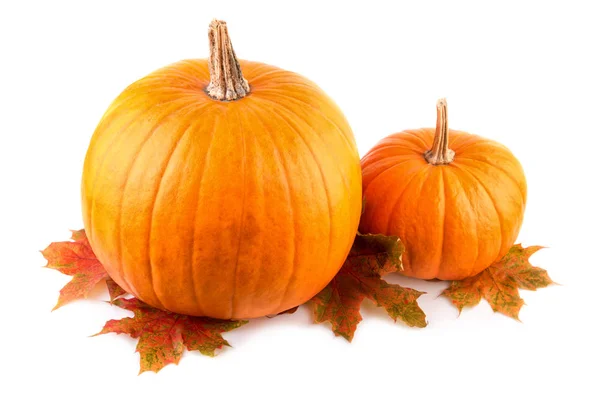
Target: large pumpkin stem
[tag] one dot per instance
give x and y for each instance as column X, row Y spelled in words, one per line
column 226, row 79
column 440, row 153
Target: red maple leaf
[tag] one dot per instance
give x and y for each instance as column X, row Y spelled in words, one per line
column 76, row 258
column 371, row 257
column 499, row 284
column 163, row 335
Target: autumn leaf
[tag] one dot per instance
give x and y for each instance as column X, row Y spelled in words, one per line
column 499, row 284
column 290, row 311
column 163, row 335
column 114, row 290
column 371, row 257
column 76, row 258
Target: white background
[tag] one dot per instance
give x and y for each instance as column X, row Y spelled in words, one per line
column 523, row 73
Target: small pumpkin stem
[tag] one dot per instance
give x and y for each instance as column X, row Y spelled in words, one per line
column 440, row 153
column 226, row 79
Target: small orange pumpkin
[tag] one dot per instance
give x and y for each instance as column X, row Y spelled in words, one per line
column 456, row 200
column 208, row 193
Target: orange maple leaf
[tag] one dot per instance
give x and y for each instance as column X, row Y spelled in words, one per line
column 290, row 311
column 76, row 258
column 163, row 335
column 371, row 257
column 499, row 284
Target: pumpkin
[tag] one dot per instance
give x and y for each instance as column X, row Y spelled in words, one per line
column 209, row 192
column 455, row 199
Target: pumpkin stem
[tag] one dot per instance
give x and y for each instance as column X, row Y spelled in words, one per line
column 440, row 153
column 226, row 79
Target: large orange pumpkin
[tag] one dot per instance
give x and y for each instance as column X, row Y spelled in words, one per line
column 456, row 200
column 210, row 193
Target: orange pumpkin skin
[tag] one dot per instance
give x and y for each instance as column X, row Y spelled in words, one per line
column 227, row 209
column 455, row 219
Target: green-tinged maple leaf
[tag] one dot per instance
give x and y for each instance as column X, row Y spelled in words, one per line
column 163, row 335
column 371, row 257
column 76, row 258
column 499, row 284
column 114, row 290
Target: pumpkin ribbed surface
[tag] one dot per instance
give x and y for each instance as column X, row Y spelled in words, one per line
column 226, row 209
column 455, row 219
